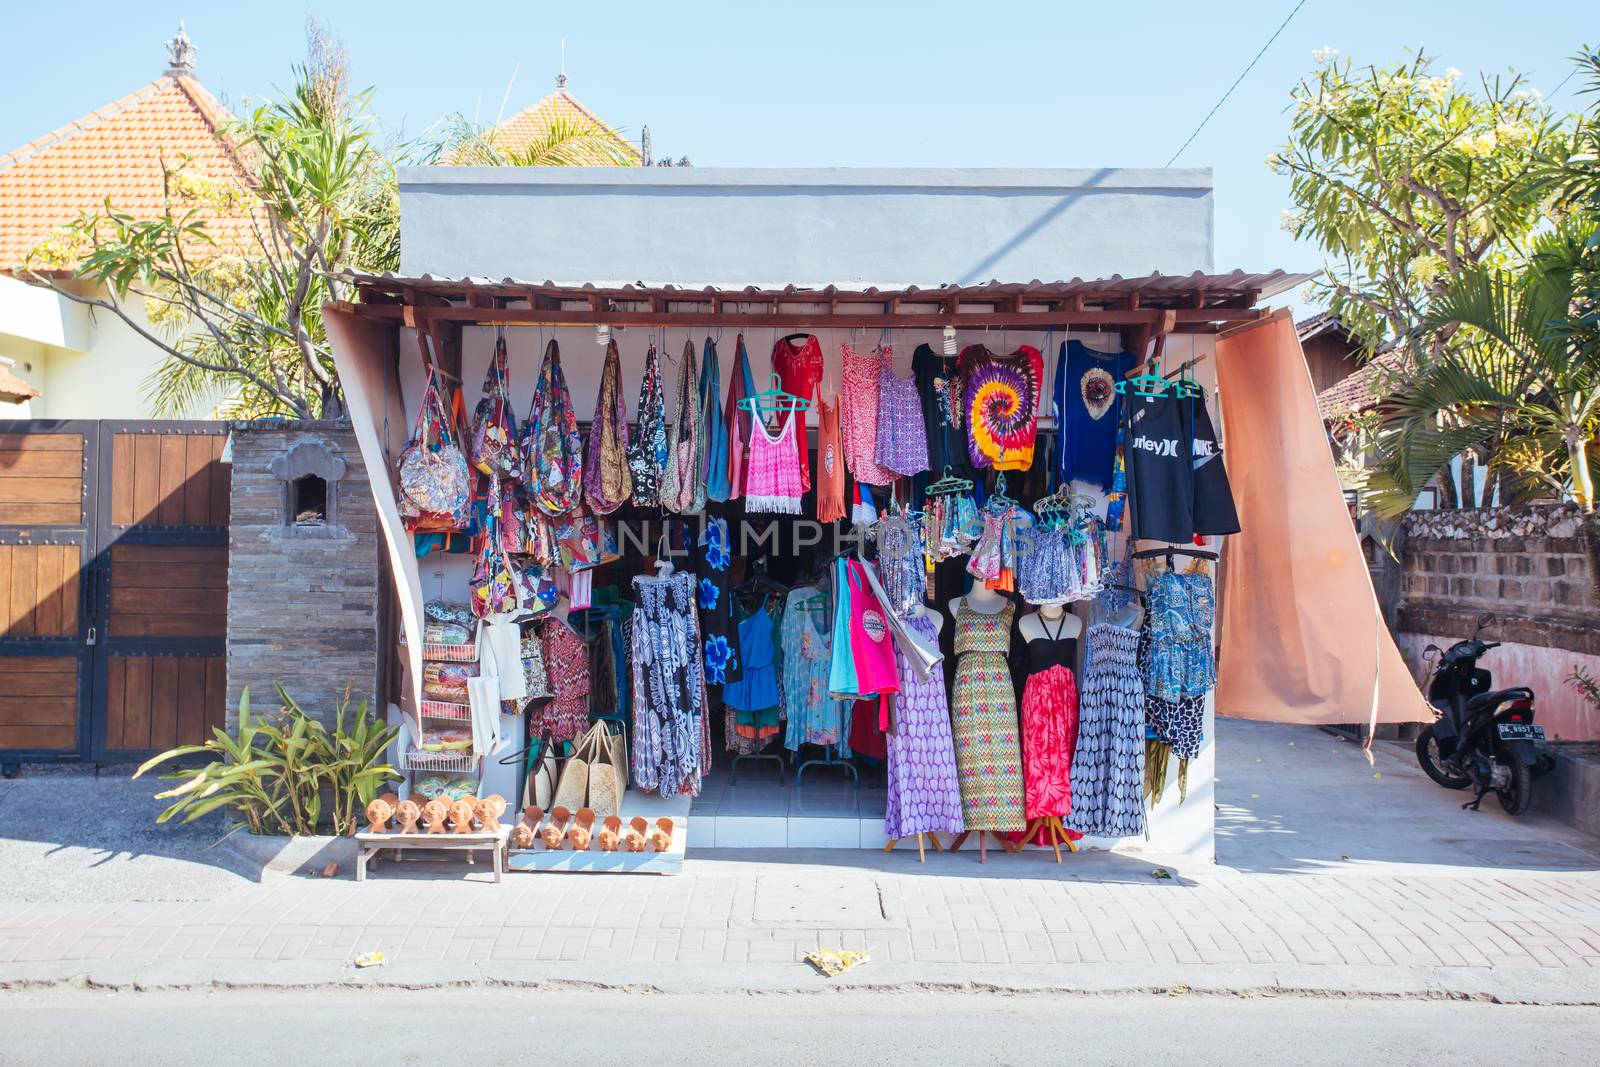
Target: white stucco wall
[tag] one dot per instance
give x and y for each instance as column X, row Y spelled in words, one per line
column 758, row 226
column 87, row 363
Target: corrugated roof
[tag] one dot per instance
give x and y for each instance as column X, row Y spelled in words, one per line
column 116, row 153
column 1153, row 290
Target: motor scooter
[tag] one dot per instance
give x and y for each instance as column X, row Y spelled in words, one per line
column 1484, row 737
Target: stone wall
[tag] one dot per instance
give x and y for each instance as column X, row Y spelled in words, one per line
column 303, row 589
column 1538, row 569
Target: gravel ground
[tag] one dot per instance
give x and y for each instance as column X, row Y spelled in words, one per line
column 68, row 834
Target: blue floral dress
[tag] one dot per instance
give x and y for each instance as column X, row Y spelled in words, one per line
column 714, row 600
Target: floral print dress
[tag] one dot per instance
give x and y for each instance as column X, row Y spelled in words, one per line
column 714, row 601
column 923, row 794
column 863, row 376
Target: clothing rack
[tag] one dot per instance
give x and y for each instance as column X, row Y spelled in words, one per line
column 775, row 757
column 1174, row 550
column 829, row 758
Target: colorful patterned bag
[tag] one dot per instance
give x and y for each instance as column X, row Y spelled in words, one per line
column 434, row 480
column 607, row 481
column 647, row 452
column 552, row 449
column 685, row 489
column 495, row 450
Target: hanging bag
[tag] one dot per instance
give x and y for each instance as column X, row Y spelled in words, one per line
column 685, row 492
column 647, row 452
column 607, row 482
column 607, row 769
column 544, row 770
column 494, row 449
column 434, row 479
column 552, row 449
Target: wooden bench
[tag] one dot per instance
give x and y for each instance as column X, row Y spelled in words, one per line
column 368, row 845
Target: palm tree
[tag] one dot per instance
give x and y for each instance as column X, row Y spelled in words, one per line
column 1519, row 380
column 564, row 142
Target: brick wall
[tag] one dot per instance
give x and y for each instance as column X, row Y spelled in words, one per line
column 1538, row 569
column 303, row 599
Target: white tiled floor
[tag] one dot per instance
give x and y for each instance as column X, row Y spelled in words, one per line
column 825, row 812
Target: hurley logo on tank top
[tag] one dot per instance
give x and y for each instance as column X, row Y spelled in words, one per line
column 1159, row 446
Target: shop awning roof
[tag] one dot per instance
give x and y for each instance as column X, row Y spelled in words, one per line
column 1236, row 288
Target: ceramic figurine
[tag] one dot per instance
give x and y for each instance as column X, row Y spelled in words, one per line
column 522, row 836
column 661, row 836
column 408, row 813
column 461, row 816
column 489, row 814
column 582, row 830
column 636, row 830
column 379, row 812
column 556, row 828
column 610, row 833
column 434, row 813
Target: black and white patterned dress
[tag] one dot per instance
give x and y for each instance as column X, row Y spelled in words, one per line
column 669, row 691
column 1108, row 766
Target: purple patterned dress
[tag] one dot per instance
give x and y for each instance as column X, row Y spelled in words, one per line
column 902, row 445
column 923, row 794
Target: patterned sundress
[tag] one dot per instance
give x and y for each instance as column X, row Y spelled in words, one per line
column 670, row 728
column 1000, row 402
column 1108, row 766
column 902, row 437
column 814, row 718
column 863, row 375
column 923, row 794
column 988, row 753
column 647, row 452
column 606, row 480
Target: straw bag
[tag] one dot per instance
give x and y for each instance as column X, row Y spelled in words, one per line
column 608, row 770
column 572, row 789
column 543, row 771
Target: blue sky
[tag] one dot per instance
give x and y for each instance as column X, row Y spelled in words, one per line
column 820, row 82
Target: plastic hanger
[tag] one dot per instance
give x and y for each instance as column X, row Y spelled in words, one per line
column 773, row 399
column 948, row 485
column 1148, row 382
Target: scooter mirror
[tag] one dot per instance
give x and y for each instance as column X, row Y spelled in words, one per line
column 1486, row 619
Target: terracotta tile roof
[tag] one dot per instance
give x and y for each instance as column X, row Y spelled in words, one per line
column 534, row 122
column 116, row 152
column 13, row 390
column 1358, row 392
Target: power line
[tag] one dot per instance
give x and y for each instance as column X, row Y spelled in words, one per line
column 1236, row 82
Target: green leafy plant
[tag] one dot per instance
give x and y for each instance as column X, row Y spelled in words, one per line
column 281, row 771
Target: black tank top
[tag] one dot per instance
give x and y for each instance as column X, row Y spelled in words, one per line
column 1052, row 650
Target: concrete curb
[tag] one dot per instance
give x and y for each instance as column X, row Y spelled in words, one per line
column 1565, row 987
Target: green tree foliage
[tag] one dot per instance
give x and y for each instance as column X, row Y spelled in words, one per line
column 1406, row 177
column 242, row 320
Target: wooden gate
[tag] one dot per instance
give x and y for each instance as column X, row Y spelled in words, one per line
column 113, row 570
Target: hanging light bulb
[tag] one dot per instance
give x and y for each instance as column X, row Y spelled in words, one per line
column 949, row 340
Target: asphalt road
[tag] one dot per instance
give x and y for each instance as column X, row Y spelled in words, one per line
column 489, row 1026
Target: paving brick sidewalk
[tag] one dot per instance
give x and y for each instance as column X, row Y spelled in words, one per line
column 1099, row 909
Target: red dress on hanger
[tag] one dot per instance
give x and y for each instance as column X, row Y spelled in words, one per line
column 799, row 369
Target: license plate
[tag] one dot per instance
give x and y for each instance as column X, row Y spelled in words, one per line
column 1521, row 731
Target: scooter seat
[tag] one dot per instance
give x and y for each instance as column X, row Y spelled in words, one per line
column 1496, row 697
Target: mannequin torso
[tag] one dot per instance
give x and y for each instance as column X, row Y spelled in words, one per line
column 1051, row 621
column 982, row 600
column 923, row 611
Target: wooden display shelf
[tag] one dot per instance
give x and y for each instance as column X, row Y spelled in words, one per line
column 369, row 844
column 595, row 861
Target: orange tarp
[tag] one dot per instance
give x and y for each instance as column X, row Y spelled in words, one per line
column 1301, row 636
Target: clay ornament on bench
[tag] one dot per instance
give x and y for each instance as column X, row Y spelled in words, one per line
column 391, row 799
column 610, row 833
column 556, row 828
column 461, row 813
column 378, row 814
column 582, row 830
column 434, row 813
column 661, row 836
column 634, row 839
column 408, row 813
column 489, row 814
